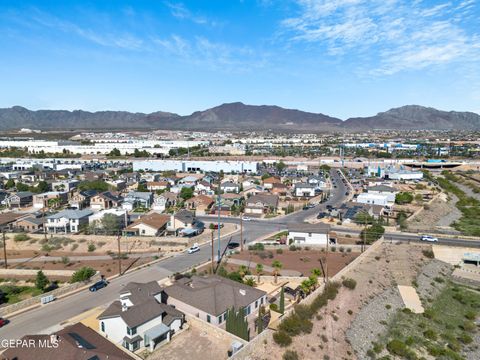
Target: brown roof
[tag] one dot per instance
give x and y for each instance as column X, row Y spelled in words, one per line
column 264, row 198
column 154, row 220
column 9, row 217
column 201, row 199
column 213, row 294
column 158, row 183
column 76, row 342
column 271, row 180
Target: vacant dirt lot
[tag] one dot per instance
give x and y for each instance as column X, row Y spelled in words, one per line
column 301, row 260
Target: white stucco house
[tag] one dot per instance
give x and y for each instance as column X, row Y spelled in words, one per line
column 139, row 319
column 304, row 190
column 308, row 234
column 68, row 221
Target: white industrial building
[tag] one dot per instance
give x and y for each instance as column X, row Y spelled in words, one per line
column 374, row 199
column 196, row 165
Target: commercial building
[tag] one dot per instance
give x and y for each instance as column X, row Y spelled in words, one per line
column 196, row 165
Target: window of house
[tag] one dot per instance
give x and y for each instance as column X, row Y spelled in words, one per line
column 248, row 310
column 256, row 304
column 220, row 319
column 131, row 331
column 261, row 301
column 102, row 324
column 208, row 318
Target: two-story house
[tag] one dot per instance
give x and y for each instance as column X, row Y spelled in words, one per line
column 105, row 200
column 135, row 199
column 67, row 221
column 139, row 318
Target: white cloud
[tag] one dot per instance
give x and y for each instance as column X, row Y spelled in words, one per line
column 180, row 11
column 398, row 35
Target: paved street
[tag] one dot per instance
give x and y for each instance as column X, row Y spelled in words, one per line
column 46, row 318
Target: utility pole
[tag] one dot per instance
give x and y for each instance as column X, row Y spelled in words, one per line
column 213, row 266
column 326, row 258
column 43, row 221
column 241, row 232
column 364, row 233
column 119, row 257
column 5, row 248
column 219, row 209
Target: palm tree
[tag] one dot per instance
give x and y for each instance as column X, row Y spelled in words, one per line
column 242, row 270
column 317, row 273
column 305, row 286
column 277, row 265
column 259, row 271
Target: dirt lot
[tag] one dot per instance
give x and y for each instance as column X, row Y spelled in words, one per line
column 79, row 243
column 301, row 260
column 383, row 268
column 439, row 214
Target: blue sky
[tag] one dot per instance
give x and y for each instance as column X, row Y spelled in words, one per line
column 339, row 57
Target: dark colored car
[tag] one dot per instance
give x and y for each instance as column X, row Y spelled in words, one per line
column 233, row 245
column 98, row 285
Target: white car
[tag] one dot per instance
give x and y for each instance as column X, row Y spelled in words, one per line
column 429, row 238
column 246, row 218
column 194, row 249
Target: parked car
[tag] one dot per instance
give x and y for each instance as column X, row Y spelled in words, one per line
column 246, row 218
column 3, row 322
column 215, row 226
column 98, row 285
column 194, row 249
column 233, row 245
column 428, row 238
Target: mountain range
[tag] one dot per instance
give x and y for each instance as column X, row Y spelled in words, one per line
column 240, row 117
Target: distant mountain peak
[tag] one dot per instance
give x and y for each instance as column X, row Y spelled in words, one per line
column 241, row 117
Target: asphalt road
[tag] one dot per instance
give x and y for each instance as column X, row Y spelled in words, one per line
column 49, row 317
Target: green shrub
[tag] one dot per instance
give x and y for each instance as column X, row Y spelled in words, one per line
column 21, row 237
column 428, row 253
column 397, row 347
column 290, row 355
column 465, row 338
column 282, row 338
column 82, row 274
column 279, row 251
column 293, row 248
column 91, row 247
column 430, row 334
column 274, row 307
column 349, row 283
